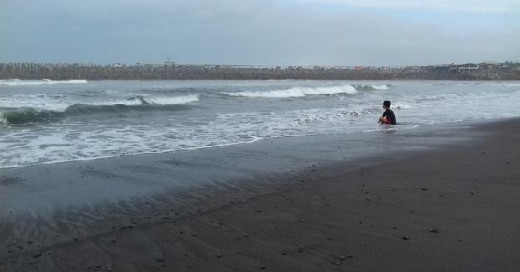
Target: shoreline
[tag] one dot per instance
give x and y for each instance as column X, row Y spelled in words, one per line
column 449, row 207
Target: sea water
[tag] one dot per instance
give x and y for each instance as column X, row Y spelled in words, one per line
column 45, row 121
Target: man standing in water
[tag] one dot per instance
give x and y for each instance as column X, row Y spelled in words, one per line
column 388, row 116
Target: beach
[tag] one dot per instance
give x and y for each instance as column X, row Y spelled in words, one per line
column 444, row 200
column 242, row 136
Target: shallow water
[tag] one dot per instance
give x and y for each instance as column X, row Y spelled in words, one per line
column 46, row 121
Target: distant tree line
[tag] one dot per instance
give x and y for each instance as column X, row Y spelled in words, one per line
column 169, row 71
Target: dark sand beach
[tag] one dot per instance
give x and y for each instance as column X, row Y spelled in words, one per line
column 454, row 207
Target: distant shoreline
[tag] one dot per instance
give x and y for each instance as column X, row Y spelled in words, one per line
column 172, row 71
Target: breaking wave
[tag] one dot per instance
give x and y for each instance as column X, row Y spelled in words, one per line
column 306, row 91
column 170, row 100
column 373, row 87
column 17, row 82
column 28, row 115
column 52, row 113
column 381, row 87
column 297, row 92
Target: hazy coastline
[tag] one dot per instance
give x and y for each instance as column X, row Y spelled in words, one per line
column 172, row 71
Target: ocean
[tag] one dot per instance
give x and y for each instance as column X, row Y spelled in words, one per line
column 45, row 121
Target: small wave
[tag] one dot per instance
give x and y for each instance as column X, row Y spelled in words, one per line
column 297, row 92
column 381, row 87
column 44, row 103
column 132, row 101
column 3, row 120
column 372, row 87
column 171, row 100
column 157, row 100
column 436, row 98
column 40, row 105
column 53, row 113
column 17, row 82
column 28, row 116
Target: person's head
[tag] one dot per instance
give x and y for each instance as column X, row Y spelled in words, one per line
column 386, row 104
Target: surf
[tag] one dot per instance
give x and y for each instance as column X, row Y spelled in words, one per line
column 297, row 92
column 18, row 82
column 56, row 112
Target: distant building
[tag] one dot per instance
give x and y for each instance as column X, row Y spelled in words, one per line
column 465, row 67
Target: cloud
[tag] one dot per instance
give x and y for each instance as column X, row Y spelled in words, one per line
column 260, row 32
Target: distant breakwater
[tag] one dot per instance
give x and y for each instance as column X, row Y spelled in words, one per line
column 168, row 71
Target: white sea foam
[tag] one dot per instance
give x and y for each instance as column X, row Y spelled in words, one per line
column 35, row 102
column 401, row 105
column 45, row 103
column 59, row 106
column 171, row 100
column 3, row 121
column 230, row 121
column 380, row 87
column 297, row 92
column 17, row 82
column 127, row 102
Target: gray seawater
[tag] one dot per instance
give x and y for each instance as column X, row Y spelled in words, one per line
column 47, row 121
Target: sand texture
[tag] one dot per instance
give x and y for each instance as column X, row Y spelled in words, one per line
column 455, row 208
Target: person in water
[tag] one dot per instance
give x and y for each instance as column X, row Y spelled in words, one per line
column 388, row 116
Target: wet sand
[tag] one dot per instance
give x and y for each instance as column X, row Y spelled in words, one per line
column 454, row 208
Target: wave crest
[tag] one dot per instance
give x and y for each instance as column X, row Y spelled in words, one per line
column 17, row 82
column 171, row 100
column 55, row 112
column 373, row 87
column 297, row 92
column 28, row 116
column 381, row 87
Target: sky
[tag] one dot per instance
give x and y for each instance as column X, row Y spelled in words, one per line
column 260, row 32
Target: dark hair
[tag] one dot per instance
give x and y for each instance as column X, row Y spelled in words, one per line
column 386, row 103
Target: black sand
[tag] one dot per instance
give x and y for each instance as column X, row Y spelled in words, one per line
column 454, row 208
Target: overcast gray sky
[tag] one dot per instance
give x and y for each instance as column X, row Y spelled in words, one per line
column 260, row 32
